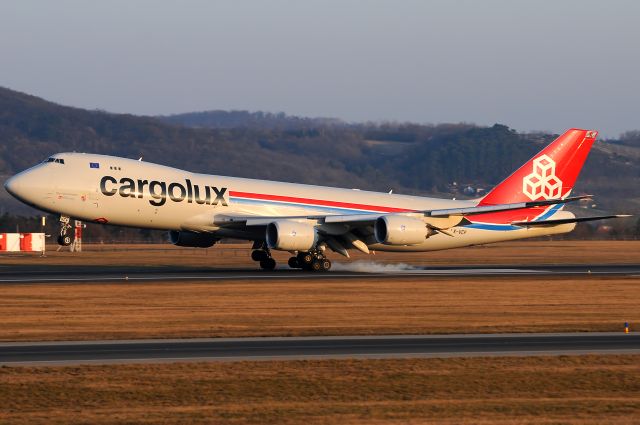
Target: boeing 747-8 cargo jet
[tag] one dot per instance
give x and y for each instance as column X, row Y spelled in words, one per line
column 200, row 209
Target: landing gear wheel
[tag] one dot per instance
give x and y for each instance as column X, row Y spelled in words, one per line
column 64, row 240
column 316, row 265
column 326, row 264
column 259, row 255
column 293, row 263
column 268, row 264
column 305, row 259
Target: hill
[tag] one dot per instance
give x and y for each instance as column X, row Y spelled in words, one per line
column 408, row 158
column 246, row 119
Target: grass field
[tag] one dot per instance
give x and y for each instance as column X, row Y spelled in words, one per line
column 274, row 308
column 368, row 306
column 509, row 390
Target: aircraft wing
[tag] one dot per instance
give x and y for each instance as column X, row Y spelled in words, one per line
column 364, row 219
column 455, row 212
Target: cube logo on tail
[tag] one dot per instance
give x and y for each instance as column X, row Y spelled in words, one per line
column 542, row 182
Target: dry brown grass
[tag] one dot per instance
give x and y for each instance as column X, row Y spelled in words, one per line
column 334, row 307
column 534, row 390
column 272, row 308
column 226, row 255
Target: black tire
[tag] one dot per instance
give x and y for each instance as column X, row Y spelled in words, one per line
column 293, row 263
column 64, row 240
column 259, row 255
column 316, row 265
column 305, row 258
column 326, row 264
column 268, row 264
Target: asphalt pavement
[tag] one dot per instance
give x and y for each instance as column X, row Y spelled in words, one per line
column 234, row 349
column 355, row 270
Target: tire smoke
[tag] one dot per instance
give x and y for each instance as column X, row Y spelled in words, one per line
column 373, row 267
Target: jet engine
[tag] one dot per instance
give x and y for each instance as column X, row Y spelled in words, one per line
column 192, row 239
column 400, row 230
column 286, row 235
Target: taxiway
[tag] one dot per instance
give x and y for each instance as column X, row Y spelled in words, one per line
column 234, row 349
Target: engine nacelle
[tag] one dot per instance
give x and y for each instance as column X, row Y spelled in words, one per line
column 192, row 239
column 400, row 230
column 287, row 235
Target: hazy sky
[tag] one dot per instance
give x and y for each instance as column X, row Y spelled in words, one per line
column 533, row 65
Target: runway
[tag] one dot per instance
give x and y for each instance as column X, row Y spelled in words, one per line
column 355, row 270
column 234, row 349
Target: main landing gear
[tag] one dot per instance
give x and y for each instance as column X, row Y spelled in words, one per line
column 311, row 261
column 65, row 238
column 263, row 256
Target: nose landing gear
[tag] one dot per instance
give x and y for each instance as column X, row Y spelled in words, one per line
column 65, row 238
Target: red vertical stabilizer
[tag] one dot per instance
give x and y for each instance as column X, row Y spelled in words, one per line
column 550, row 174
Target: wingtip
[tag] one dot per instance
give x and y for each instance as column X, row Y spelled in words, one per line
column 578, row 198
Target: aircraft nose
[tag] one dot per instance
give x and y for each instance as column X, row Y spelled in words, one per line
column 10, row 185
column 18, row 185
column 32, row 186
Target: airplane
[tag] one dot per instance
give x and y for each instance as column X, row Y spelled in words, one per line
column 199, row 210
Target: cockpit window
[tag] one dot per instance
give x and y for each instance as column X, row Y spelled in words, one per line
column 57, row 160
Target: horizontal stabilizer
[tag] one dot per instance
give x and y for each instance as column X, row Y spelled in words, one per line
column 502, row 207
column 566, row 220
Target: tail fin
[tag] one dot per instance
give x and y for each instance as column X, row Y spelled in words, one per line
column 550, row 174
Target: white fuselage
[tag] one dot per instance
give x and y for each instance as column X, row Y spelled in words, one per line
column 139, row 194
